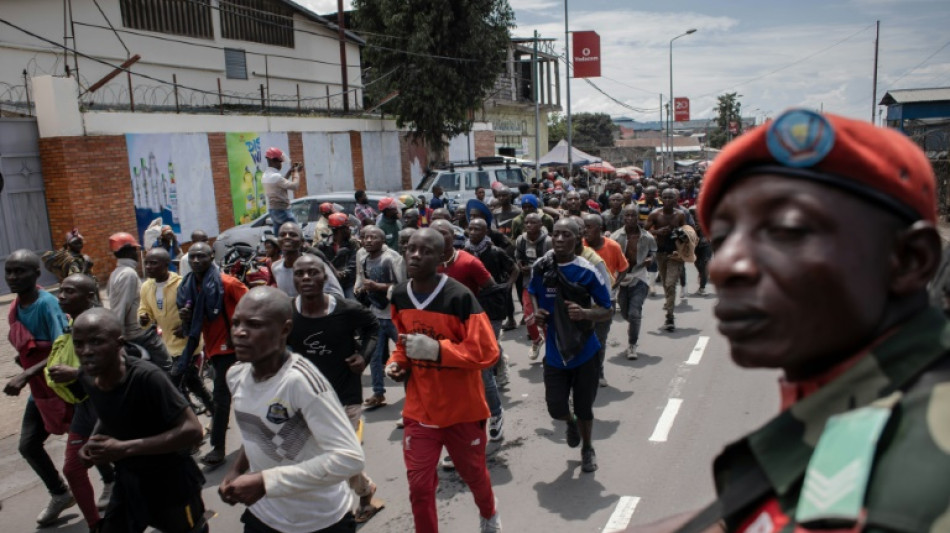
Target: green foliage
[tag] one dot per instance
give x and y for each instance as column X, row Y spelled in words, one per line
column 728, row 109
column 589, row 130
column 436, row 94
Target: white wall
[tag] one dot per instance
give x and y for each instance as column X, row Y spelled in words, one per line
column 196, row 66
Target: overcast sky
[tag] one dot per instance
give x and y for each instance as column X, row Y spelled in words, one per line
column 777, row 54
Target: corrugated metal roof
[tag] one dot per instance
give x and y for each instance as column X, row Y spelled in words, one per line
column 907, row 96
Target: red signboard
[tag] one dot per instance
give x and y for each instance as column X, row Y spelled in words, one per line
column 586, row 54
column 681, row 109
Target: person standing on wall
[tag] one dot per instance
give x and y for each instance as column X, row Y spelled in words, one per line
column 277, row 187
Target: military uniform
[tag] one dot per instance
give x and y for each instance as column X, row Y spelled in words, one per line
column 904, row 381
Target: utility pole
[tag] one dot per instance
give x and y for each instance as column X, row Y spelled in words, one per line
column 537, row 107
column 662, row 136
column 877, row 38
column 567, row 56
column 342, row 34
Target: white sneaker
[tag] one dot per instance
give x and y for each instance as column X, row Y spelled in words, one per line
column 701, row 291
column 57, row 504
column 631, row 352
column 496, row 427
column 447, row 463
column 535, row 350
column 490, row 525
column 106, row 495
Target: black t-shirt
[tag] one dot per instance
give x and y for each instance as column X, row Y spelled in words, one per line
column 327, row 342
column 498, row 263
column 143, row 404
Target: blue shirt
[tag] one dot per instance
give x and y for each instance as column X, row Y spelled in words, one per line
column 43, row 318
column 581, row 272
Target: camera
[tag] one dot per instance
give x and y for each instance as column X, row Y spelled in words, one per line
column 679, row 235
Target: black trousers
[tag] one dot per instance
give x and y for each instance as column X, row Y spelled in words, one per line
column 222, row 398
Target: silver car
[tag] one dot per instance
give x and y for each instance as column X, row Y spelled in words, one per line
column 253, row 232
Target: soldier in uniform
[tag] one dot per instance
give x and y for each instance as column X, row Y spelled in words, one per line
column 825, row 239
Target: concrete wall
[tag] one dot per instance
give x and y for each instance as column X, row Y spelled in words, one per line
column 313, row 63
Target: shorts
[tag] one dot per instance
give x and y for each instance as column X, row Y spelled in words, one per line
column 583, row 381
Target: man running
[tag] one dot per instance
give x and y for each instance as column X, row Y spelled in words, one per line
column 661, row 224
column 146, row 428
column 206, row 300
column 445, row 342
column 299, row 447
column 36, row 320
column 562, row 281
column 639, row 248
column 615, row 262
column 339, row 337
column 378, row 269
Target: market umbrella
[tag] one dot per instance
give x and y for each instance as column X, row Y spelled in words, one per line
column 602, row 167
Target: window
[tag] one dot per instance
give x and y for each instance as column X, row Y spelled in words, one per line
column 235, row 64
column 449, row 181
column 191, row 18
column 258, row 21
column 474, row 180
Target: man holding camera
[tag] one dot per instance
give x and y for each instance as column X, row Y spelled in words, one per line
column 662, row 224
column 276, row 187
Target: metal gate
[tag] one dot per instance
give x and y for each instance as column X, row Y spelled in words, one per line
column 24, row 222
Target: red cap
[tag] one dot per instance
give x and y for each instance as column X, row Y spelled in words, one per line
column 593, row 205
column 338, row 220
column 879, row 164
column 497, row 186
column 274, row 153
column 386, row 203
column 120, row 240
column 326, row 208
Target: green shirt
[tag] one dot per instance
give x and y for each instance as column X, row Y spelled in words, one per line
column 909, row 485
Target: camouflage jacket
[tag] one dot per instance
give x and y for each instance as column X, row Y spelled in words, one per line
column 908, row 485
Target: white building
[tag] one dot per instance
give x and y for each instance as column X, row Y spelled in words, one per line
column 238, row 54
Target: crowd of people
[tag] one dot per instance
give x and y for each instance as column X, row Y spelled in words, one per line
column 421, row 295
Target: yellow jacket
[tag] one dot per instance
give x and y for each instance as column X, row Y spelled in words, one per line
column 167, row 317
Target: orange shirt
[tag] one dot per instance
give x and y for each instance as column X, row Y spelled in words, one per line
column 216, row 335
column 612, row 255
column 448, row 391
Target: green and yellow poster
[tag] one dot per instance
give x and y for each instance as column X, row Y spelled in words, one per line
column 246, row 166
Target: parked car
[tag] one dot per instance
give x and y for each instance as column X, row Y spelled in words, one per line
column 459, row 180
column 253, row 232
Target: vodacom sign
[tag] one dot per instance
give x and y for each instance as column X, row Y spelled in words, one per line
column 586, row 54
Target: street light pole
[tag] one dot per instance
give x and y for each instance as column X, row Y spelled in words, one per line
column 567, row 56
column 672, row 111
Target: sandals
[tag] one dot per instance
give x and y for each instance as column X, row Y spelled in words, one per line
column 364, row 513
column 375, row 402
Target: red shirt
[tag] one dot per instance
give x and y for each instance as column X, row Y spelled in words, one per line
column 467, row 270
column 216, row 335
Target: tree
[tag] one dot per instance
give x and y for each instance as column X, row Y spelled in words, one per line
column 728, row 120
column 589, row 130
column 442, row 56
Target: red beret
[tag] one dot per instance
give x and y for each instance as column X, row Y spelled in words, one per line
column 593, row 206
column 878, row 164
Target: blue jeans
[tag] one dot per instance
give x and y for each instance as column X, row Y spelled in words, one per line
column 280, row 216
column 631, row 308
column 386, row 331
column 491, row 392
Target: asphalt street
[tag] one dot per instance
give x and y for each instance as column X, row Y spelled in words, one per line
column 658, row 426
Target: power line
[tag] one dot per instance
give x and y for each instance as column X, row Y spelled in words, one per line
column 789, row 65
column 169, row 83
column 928, row 58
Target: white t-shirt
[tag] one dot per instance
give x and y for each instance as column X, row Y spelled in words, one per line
column 276, row 189
column 297, row 435
column 285, row 281
column 160, row 294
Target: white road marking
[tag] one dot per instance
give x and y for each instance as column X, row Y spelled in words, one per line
column 622, row 514
column 698, row 350
column 662, row 430
column 524, row 395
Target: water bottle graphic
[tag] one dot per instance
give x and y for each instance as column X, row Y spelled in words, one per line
column 136, row 197
column 258, row 192
column 154, row 181
column 172, row 193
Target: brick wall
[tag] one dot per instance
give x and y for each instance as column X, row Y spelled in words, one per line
column 295, row 140
column 221, row 177
column 88, row 186
column 356, row 153
column 484, row 143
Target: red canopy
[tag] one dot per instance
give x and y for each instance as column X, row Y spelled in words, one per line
column 602, row 167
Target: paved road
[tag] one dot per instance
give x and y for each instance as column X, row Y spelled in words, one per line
column 659, row 424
